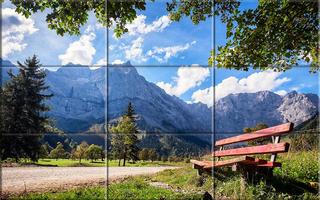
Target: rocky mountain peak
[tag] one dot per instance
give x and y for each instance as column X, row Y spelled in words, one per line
column 80, row 96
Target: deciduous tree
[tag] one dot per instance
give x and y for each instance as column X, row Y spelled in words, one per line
column 58, row 152
column 81, row 150
column 94, row 152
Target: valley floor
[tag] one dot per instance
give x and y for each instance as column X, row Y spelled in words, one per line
column 19, row 180
column 297, row 179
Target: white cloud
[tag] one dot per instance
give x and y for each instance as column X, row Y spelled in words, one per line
column 134, row 51
column 117, row 62
column 163, row 54
column 102, row 61
column 187, row 78
column 14, row 29
column 81, row 51
column 281, row 92
column 260, row 81
column 139, row 26
column 204, row 96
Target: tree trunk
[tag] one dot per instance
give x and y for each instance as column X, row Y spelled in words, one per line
column 124, row 157
column 119, row 162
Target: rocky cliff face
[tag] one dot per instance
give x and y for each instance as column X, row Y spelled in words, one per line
column 157, row 111
column 79, row 95
column 298, row 107
column 237, row 111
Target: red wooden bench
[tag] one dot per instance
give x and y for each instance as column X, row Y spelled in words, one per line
column 243, row 161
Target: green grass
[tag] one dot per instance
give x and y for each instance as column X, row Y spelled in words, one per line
column 71, row 163
column 300, row 166
column 83, row 193
column 99, row 163
column 296, row 179
column 138, row 188
column 114, row 163
column 132, row 188
column 185, row 178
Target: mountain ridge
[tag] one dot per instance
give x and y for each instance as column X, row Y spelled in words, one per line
column 81, row 93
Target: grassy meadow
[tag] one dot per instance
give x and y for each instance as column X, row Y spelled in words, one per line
column 297, row 179
column 98, row 163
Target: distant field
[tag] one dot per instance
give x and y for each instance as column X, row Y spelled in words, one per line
column 99, row 163
column 71, row 163
column 114, row 163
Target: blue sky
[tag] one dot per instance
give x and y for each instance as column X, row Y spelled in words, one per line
column 153, row 41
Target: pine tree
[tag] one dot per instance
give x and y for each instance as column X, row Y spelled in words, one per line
column 130, row 112
column 23, row 108
column 124, row 141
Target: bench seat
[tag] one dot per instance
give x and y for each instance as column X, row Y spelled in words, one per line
column 242, row 160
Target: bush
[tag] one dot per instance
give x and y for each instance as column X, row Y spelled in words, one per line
column 171, row 159
column 164, row 158
column 304, row 142
column 303, row 166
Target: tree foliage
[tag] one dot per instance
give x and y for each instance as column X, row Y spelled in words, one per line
column 274, row 35
column 124, row 139
column 258, row 141
column 144, row 154
column 58, row 152
column 23, row 111
column 153, row 155
column 81, row 149
column 94, row 152
column 68, row 16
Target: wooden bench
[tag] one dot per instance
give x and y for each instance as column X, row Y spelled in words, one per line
column 243, row 160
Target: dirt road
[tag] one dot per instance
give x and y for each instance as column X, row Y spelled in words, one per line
column 39, row 179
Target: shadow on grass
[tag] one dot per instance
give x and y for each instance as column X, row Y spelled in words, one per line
column 291, row 186
column 81, row 165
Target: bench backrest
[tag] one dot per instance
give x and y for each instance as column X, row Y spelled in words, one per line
column 267, row 132
column 272, row 148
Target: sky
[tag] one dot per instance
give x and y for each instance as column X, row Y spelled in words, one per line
column 172, row 55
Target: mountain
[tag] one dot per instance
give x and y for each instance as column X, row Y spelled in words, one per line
column 157, row 111
column 6, row 66
column 309, row 126
column 236, row 111
column 80, row 96
column 78, row 100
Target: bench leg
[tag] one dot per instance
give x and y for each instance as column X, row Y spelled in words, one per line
column 248, row 173
column 200, row 171
column 266, row 172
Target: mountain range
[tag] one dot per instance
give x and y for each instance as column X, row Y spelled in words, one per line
column 83, row 97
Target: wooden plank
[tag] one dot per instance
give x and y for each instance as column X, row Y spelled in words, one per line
column 199, row 163
column 243, row 160
column 228, row 162
column 262, row 149
column 272, row 131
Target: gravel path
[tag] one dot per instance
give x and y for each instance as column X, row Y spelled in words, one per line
column 39, row 179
